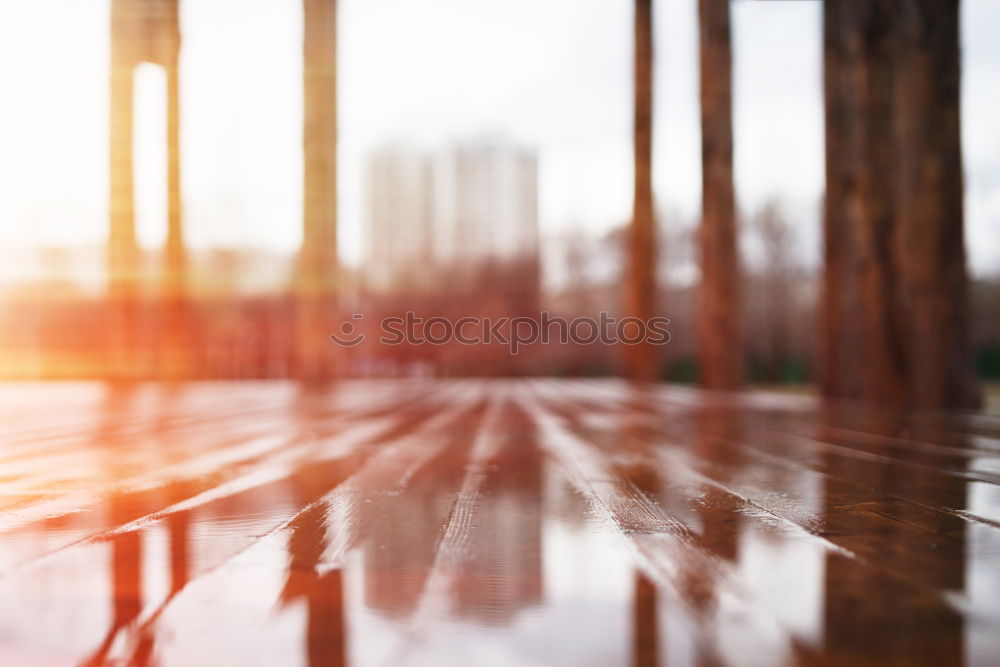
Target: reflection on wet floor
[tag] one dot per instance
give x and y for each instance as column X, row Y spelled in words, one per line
column 526, row 522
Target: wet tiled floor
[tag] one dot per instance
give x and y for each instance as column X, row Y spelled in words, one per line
column 499, row 522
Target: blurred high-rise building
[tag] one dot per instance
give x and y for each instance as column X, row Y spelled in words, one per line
column 399, row 212
column 427, row 210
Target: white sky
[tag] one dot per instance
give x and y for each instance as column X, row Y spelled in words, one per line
column 552, row 73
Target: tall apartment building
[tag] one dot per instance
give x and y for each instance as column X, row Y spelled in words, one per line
column 472, row 202
column 399, row 216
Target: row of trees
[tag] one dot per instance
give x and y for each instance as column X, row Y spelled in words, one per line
column 894, row 322
column 777, row 294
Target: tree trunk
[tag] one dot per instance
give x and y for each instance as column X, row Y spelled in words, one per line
column 930, row 244
column 641, row 359
column 175, row 347
column 874, row 349
column 839, row 296
column 122, row 251
column 883, row 339
column 719, row 345
column 317, row 268
column 894, row 318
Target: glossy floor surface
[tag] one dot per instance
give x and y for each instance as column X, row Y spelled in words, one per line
column 529, row 522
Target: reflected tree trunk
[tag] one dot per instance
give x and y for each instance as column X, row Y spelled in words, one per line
column 719, row 349
column 641, row 359
column 645, row 621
